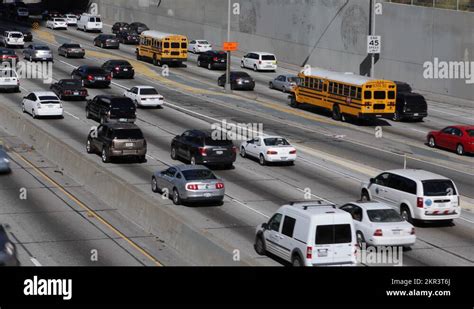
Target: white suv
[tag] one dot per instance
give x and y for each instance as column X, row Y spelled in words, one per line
column 9, row 80
column 259, row 61
column 418, row 194
column 88, row 22
column 13, row 39
column 309, row 233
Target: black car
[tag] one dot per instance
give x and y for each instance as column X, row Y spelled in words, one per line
column 69, row 89
column 213, row 59
column 8, row 254
column 109, row 108
column 71, row 50
column 410, row 106
column 128, row 37
column 138, row 27
column 8, row 56
column 107, row 41
column 238, row 80
column 199, row 147
column 117, row 140
column 92, row 76
column 119, row 68
column 119, row 27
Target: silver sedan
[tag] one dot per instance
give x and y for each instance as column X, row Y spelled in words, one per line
column 284, row 83
column 189, row 183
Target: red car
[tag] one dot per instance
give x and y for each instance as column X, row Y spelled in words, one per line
column 458, row 138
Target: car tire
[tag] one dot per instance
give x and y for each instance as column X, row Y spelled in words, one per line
column 336, row 113
column 89, row 146
column 396, row 116
column 199, row 63
column 101, row 45
column 192, row 161
column 365, row 197
column 283, row 89
column 33, row 114
column 243, row 153
column 142, row 159
column 103, row 119
column 460, row 149
column 296, row 261
column 293, row 102
column 209, row 66
column 270, row 85
column 360, row 239
column 154, row 185
column 259, row 245
column 176, row 197
column 261, row 160
column 174, row 153
column 104, row 155
column 405, row 213
column 242, row 64
column 432, row 142
column 88, row 115
column 31, row 59
column 255, row 68
column 66, row 55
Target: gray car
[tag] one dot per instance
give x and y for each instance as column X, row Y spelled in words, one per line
column 4, row 162
column 189, row 183
column 38, row 52
column 8, row 255
column 284, row 83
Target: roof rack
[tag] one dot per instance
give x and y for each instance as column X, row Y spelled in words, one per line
column 312, row 203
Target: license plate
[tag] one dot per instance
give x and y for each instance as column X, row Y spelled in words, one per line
column 207, row 194
column 128, row 144
column 246, row 81
column 125, row 70
column 415, row 114
column 100, row 78
column 219, row 152
column 283, row 158
column 322, row 253
column 123, row 120
column 50, row 106
column 76, row 93
column 396, row 232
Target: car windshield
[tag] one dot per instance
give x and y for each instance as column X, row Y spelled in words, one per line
column 95, row 71
column 148, row 91
column 208, row 141
column 72, row 45
column 97, row 20
column 120, row 63
column 128, row 134
column 276, row 142
column 384, row 215
column 48, row 98
column 198, row 174
column 122, row 103
column 240, row 75
column 109, row 37
column 415, row 100
column 59, row 19
column 75, row 83
column 268, row 57
column 16, row 35
column 42, row 48
column 439, row 187
column 203, row 42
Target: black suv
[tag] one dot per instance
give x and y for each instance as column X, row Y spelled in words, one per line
column 108, row 108
column 119, row 68
column 238, row 80
column 120, row 26
column 69, row 89
column 117, row 140
column 128, row 37
column 198, row 147
column 92, row 76
column 213, row 59
column 138, row 27
column 410, row 105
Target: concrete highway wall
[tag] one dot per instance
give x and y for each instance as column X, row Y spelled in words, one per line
column 328, row 33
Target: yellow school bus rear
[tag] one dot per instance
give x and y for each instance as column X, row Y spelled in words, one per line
column 378, row 99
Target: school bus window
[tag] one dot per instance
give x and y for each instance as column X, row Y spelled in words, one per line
column 367, row 94
column 331, row 86
column 346, row 90
column 341, row 89
column 166, row 45
column 184, row 45
column 379, row 95
column 391, row 95
column 353, row 91
column 359, row 93
column 174, row 45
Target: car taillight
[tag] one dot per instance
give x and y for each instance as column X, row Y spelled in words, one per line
column 215, row 58
column 378, row 232
column 419, row 202
column 234, row 149
column 309, row 252
column 412, row 231
column 192, row 187
column 117, row 68
column 272, row 152
column 109, row 77
column 293, row 151
column 66, row 92
column 202, row 151
column 90, row 77
column 219, row 185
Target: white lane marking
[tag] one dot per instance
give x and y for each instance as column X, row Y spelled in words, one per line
column 464, row 218
column 148, row 156
column 73, row 116
column 246, row 206
column 424, row 132
column 454, row 115
column 35, row 262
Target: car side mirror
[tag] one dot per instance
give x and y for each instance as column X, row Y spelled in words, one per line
column 372, row 180
column 265, row 226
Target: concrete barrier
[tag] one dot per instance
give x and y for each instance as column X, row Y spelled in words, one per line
column 197, row 246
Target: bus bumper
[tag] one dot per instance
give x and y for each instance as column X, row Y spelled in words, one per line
column 375, row 115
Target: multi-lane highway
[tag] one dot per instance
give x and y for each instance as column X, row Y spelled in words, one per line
column 334, row 158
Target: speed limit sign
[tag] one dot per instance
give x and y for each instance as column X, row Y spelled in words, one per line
column 374, row 44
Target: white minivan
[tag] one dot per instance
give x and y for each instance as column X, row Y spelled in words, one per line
column 259, row 61
column 89, row 22
column 309, row 233
column 418, row 194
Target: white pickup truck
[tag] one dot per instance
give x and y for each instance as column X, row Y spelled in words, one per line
column 12, row 39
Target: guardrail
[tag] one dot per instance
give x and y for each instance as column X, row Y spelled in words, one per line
column 459, row 5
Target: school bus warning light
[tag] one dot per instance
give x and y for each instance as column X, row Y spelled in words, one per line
column 230, row 46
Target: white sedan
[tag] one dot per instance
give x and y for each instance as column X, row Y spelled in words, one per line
column 42, row 104
column 199, row 46
column 56, row 23
column 145, row 96
column 269, row 149
column 71, row 19
column 378, row 224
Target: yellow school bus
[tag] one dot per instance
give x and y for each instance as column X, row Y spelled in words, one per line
column 345, row 94
column 162, row 48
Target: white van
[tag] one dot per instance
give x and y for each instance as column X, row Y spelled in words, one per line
column 9, row 80
column 309, row 233
column 259, row 61
column 418, row 194
column 89, row 22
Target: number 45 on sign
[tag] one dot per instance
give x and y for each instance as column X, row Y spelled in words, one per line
column 374, row 44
